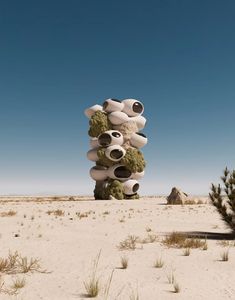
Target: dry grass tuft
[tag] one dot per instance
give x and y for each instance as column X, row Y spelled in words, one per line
column 107, row 286
column 151, row 238
column 176, row 287
column 129, row 243
column 193, row 243
column 190, row 202
column 226, row 243
column 193, row 202
column 179, row 240
column 225, row 255
column 18, row 283
column 174, row 239
column 159, row 263
column 205, row 245
column 28, row 265
column 9, row 265
column 124, row 262
column 7, row 291
column 92, row 285
column 9, row 213
column 57, row 212
column 134, row 295
column 171, row 276
column 186, row 251
column 82, row 215
column 15, row 263
column 200, row 202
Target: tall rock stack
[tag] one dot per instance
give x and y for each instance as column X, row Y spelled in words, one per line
column 115, row 142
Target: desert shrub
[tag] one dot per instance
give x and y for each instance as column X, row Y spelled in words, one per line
column 92, row 285
column 171, row 276
column 18, row 283
column 116, row 190
column 129, row 243
column 186, row 251
column 225, row 243
column 205, row 245
column 7, row 291
column 223, row 198
column 225, row 255
column 103, row 190
column 159, row 263
column 151, row 238
column 9, row 213
column 176, row 287
column 15, row 263
column 124, row 262
column 99, row 123
column 103, row 160
column 57, row 212
column 180, row 240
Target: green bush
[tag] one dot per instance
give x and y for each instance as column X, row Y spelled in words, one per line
column 100, row 186
column 103, row 160
column 115, row 189
column 105, row 189
column 134, row 160
column 224, row 198
column 99, row 123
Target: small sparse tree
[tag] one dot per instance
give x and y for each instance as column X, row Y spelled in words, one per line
column 223, row 198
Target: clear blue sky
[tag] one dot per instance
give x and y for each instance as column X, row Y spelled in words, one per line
column 59, row 57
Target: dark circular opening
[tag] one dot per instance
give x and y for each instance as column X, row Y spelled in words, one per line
column 135, row 187
column 116, row 134
column 137, row 107
column 141, row 134
column 105, row 104
column 116, row 154
column 104, row 139
column 122, row 172
column 115, row 100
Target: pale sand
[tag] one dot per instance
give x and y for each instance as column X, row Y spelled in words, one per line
column 67, row 245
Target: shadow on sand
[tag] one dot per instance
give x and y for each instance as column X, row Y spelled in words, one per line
column 210, row 235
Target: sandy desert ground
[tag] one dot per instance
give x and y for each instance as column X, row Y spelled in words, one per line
column 67, row 236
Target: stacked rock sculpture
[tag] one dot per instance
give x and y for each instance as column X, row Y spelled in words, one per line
column 115, row 140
